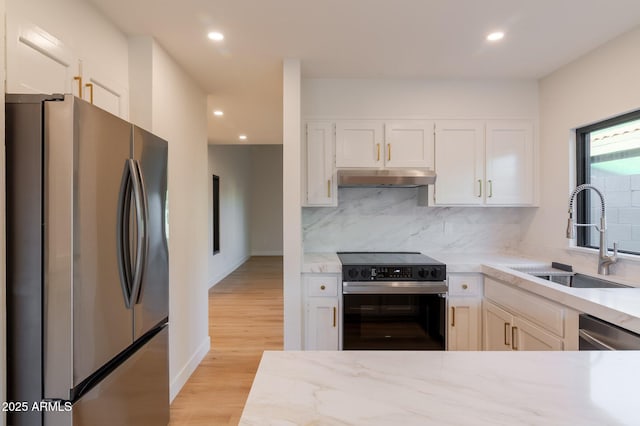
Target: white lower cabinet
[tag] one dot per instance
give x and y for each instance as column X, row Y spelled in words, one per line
column 322, row 311
column 506, row 332
column 514, row 319
column 464, row 313
column 497, row 327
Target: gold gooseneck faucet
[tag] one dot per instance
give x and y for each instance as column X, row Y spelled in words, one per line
column 604, row 260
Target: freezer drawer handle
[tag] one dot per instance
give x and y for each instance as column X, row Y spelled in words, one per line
column 131, row 189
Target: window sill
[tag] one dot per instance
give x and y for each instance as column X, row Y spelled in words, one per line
column 595, row 252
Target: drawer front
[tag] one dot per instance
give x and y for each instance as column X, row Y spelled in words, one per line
column 465, row 285
column 535, row 308
column 322, row 286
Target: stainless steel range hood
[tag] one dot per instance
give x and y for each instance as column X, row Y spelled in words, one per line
column 397, row 178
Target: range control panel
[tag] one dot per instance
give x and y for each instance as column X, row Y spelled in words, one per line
column 394, row 273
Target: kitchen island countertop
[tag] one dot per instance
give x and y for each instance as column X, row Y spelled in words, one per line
column 453, row 388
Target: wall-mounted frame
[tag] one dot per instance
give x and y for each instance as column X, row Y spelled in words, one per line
column 216, row 214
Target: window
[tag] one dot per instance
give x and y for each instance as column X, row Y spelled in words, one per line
column 608, row 157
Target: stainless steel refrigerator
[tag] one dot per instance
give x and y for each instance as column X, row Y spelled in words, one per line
column 87, row 266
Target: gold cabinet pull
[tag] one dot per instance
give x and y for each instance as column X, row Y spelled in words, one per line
column 335, row 313
column 480, row 188
column 329, row 188
column 90, row 86
column 322, row 287
column 389, row 149
column 465, row 286
column 378, row 148
column 490, row 188
column 506, row 334
column 514, row 332
column 79, row 80
column 453, row 316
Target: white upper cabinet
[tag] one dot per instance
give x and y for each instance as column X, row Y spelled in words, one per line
column 321, row 179
column 459, row 157
column 509, row 166
column 409, row 143
column 359, row 143
column 378, row 144
column 484, row 163
column 37, row 62
column 103, row 92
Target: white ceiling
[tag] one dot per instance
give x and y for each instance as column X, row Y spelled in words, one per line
column 403, row 39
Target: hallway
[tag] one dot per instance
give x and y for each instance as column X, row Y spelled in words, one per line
column 245, row 318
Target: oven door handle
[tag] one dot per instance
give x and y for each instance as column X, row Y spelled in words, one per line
column 394, row 287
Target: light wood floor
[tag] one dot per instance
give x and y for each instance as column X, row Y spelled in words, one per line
column 245, row 318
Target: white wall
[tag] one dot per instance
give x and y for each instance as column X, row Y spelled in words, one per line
column 179, row 116
column 601, row 84
column 351, row 98
column 232, row 164
column 291, row 202
column 266, row 200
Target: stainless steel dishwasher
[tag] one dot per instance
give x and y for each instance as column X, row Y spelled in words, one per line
column 598, row 335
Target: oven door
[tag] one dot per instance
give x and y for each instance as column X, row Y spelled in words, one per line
column 394, row 321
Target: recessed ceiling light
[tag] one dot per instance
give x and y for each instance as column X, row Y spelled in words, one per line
column 495, row 36
column 215, row 36
column 218, row 113
column 242, row 137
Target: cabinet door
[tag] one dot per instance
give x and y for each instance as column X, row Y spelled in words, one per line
column 321, row 182
column 464, row 324
column 528, row 337
column 409, row 143
column 322, row 324
column 37, row 62
column 359, row 144
column 459, row 161
column 497, row 327
column 510, row 163
column 104, row 93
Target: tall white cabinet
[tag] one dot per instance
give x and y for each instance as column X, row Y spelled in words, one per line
column 509, row 163
column 321, row 186
column 481, row 162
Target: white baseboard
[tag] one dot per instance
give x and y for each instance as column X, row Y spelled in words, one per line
column 222, row 275
column 267, row 253
column 186, row 371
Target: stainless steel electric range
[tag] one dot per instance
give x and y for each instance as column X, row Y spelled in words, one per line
column 393, row 301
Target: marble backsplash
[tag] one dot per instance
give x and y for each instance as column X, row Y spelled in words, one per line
column 389, row 219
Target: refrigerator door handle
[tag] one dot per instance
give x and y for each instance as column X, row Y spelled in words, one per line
column 142, row 219
column 122, row 239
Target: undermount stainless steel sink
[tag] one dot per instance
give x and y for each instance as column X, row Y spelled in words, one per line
column 586, row 281
column 570, row 279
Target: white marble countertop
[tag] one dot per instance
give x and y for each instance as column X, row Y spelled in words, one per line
column 321, row 263
column 452, row 388
column 456, row 262
column 620, row 306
